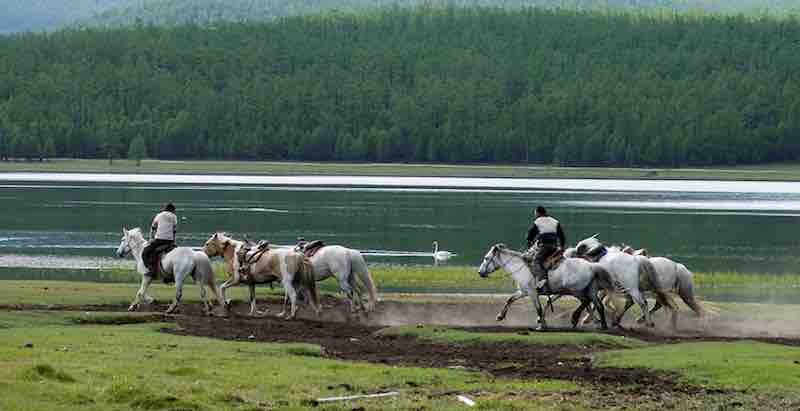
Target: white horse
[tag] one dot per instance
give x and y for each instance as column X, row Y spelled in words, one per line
column 674, row 277
column 573, row 276
column 180, row 262
column 351, row 272
column 630, row 274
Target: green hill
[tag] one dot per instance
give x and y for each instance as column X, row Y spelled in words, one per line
column 448, row 85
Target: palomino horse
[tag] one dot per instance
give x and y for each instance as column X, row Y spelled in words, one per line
column 284, row 265
column 180, row 262
column 292, row 268
column 573, row 276
column 350, row 269
column 674, row 277
column 630, row 274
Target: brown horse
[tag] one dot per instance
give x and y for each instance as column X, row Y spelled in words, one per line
column 289, row 267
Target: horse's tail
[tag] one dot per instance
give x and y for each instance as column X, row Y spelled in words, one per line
column 305, row 277
column 686, row 289
column 648, row 272
column 358, row 266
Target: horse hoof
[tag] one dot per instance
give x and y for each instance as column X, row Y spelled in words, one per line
column 640, row 321
column 500, row 318
column 133, row 308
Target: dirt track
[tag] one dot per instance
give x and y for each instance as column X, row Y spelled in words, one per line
column 345, row 338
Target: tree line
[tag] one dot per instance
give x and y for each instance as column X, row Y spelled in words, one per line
column 425, row 84
column 205, row 12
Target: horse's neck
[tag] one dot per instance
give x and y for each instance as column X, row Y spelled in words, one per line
column 137, row 246
column 516, row 266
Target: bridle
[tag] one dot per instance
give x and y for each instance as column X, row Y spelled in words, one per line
column 498, row 262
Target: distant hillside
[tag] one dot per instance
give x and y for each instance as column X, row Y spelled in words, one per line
column 170, row 12
column 441, row 85
column 42, row 15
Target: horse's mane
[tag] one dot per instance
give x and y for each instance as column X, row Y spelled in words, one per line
column 136, row 231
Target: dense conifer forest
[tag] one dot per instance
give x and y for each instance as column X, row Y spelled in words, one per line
column 424, row 84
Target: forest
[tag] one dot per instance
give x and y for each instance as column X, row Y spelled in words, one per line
column 49, row 15
column 425, row 84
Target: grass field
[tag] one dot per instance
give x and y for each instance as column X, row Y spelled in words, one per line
column 768, row 172
column 137, row 367
column 88, row 361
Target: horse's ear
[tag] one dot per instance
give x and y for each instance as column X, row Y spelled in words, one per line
column 595, row 235
column 124, row 230
column 215, row 236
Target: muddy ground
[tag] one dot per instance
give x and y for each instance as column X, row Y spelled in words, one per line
column 345, row 337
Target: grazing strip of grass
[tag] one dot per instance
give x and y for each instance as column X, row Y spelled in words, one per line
column 767, row 172
column 731, row 365
column 98, row 367
column 449, row 335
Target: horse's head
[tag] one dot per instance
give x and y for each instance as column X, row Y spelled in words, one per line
column 129, row 239
column 216, row 245
column 489, row 263
column 587, row 244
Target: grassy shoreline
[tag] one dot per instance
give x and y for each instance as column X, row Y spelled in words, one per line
column 767, row 172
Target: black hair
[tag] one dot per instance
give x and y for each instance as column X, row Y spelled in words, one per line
column 541, row 210
column 169, row 207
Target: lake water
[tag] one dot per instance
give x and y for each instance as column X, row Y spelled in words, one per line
column 710, row 226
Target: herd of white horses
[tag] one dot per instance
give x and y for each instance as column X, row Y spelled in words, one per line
column 592, row 272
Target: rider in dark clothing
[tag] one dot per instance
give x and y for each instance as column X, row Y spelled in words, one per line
column 547, row 232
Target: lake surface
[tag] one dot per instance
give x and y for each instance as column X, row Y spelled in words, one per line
column 710, row 226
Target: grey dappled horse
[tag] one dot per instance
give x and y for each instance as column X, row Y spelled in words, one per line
column 573, row 276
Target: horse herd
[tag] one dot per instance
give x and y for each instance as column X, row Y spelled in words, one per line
column 592, row 272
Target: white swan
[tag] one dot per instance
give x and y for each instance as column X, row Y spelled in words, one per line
column 440, row 255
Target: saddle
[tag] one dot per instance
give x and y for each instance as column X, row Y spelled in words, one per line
column 248, row 254
column 310, row 248
column 554, row 260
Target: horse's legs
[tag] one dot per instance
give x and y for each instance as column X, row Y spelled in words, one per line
column 638, row 298
column 576, row 315
column 538, row 306
column 618, row 317
column 601, row 311
column 347, row 288
column 252, row 287
column 292, row 294
column 229, row 283
column 215, row 291
column 178, row 294
column 146, row 280
column 514, row 297
column 652, row 311
column 204, row 299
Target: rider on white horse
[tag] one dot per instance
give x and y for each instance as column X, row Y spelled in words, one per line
column 545, row 231
column 162, row 234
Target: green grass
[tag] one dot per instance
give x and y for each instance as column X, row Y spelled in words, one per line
column 74, row 293
column 136, row 367
column 775, row 172
column 734, row 365
column 448, row 335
